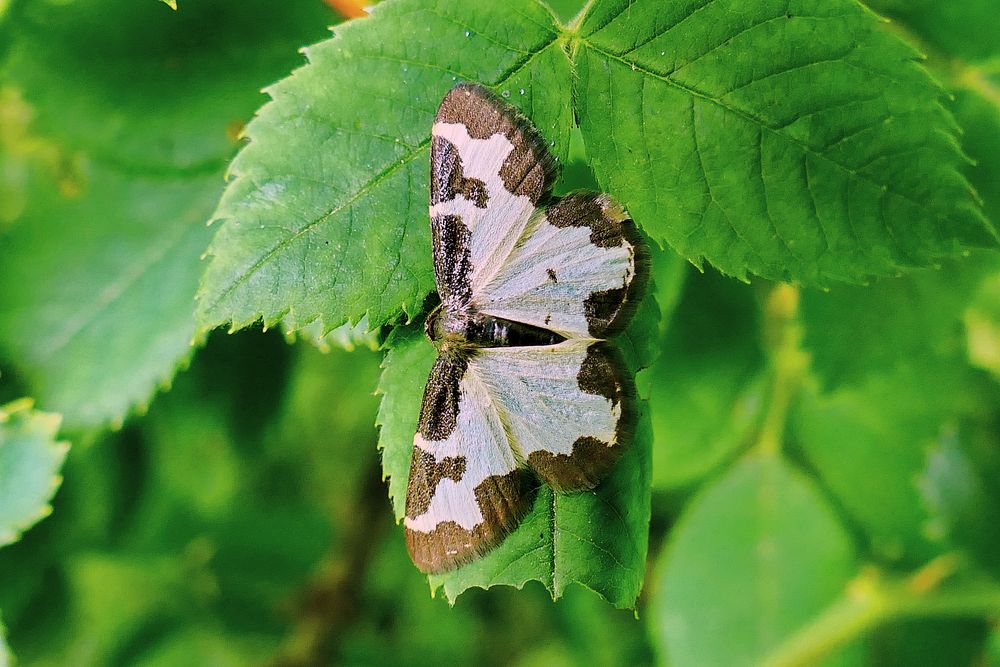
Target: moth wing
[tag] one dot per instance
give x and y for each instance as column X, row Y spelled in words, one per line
column 489, row 169
column 578, row 270
column 466, row 491
column 569, row 408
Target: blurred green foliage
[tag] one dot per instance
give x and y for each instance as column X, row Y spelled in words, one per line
column 819, row 471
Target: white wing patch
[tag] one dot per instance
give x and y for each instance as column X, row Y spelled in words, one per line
column 537, row 391
column 479, row 437
column 551, row 273
column 497, row 227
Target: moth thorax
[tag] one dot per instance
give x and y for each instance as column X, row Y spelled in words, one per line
column 444, row 324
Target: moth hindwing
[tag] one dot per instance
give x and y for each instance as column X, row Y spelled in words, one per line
column 525, row 389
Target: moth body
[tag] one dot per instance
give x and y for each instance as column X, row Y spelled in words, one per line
column 470, row 329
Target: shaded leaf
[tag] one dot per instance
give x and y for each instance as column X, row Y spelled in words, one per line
column 326, row 217
column 102, row 261
column 754, row 556
column 868, row 445
column 669, row 276
column 30, row 459
column 929, row 642
column 977, row 108
column 708, row 387
column 791, row 140
column 959, row 489
column 964, row 28
column 897, row 323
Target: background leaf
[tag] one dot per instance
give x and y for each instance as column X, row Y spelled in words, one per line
column 869, row 446
column 30, row 459
column 905, row 322
column 102, row 261
column 5, row 657
column 818, row 147
column 707, row 387
column 782, row 557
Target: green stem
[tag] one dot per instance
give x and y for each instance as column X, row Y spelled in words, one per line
column 783, row 334
column 872, row 600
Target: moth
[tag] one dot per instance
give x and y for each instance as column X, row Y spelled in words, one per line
column 524, row 386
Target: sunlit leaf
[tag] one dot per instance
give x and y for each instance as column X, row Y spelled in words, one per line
column 791, row 140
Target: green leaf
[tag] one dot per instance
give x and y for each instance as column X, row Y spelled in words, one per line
column 868, row 445
column 898, row 323
column 30, row 459
column 962, row 40
column 708, row 387
column 405, row 370
column 346, row 337
column 960, row 491
column 754, row 556
column 964, row 28
column 791, row 140
column 669, row 275
column 326, row 216
column 597, row 539
column 101, row 262
column 977, row 108
column 109, row 312
column 929, row 642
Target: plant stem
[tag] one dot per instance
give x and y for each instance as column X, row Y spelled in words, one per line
column 783, row 335
column 872, row 599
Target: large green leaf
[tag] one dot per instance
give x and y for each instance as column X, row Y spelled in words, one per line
column 795, row 140
column 962, row 39
column 101, row 261
column 597, row 539
column 30, row 458
column 754, row 556
column 326, row 217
